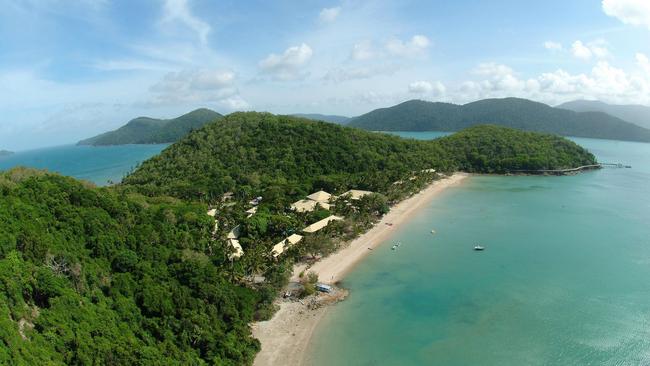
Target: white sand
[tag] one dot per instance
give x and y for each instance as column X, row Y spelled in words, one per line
column 286, row 336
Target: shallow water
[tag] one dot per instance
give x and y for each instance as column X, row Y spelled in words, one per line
column 101, row 164
column 564, row 279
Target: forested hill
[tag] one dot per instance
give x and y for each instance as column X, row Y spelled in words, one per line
column 145, row 130
column 634, row 113
column 253, row 151
column 108, row 276
column 342, row 120
column 417, row 115
column 92, row 276
column 6, row 153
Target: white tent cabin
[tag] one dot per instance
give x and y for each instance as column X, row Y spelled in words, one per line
column 285, row 244
column 318, row 225
column 308, row 205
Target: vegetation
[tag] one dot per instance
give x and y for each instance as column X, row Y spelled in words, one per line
column 637, row 114
column 496, row 149
column 96, row 276
column 341, row 120
column 145, row 130
column 5, row 153
column 417, row 115
column 138, row 273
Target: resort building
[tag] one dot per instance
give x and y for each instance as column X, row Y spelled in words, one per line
column 308, row 205
column 356, row 194
column 251, row 212
column 232, row 237
column 238, row 251
column 212, row 212
column 320, row 196
column 285, row 244
column 321, row 224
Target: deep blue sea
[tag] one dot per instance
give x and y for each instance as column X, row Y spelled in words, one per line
column 564, row 279
column 101, row 164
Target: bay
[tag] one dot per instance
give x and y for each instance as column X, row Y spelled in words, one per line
column 98, row 164
column 563, row 279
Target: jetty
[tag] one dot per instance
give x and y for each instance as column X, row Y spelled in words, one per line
column 557, row 171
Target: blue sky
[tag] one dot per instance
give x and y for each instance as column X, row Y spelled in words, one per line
column 72, row 69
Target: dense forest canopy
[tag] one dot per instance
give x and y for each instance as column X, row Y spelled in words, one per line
column 94, row 276
column 145, row 130
column 418, row 115
column 324, row 117
column 253, row 151
column 129, row 275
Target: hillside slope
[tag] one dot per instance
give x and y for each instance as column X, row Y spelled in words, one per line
column 417, row 115
column 341, row 120
column 633, row 113
column 252, row 151
column 145, row 130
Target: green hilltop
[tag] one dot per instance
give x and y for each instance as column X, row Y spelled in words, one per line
column 145, row 130
column 139, row 274
column 418, row 115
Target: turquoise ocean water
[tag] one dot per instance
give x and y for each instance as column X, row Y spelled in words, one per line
column 565, row 278
column 99, row 164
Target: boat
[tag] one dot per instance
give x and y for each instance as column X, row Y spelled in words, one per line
column 478, row 247
column 394, row 247
column 433, row 231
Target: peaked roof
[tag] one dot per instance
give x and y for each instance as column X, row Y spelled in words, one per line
column 308, row 205
column 321, row 224
column 356, row 194
column 320, row 196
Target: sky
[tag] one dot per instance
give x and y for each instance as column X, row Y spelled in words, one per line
column 73, row 69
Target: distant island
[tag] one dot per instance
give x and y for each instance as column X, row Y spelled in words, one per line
column 6, row 152
column 342, row 120
column 634, row 113
column 145, row 130
column 174, row 264
column 418, row 115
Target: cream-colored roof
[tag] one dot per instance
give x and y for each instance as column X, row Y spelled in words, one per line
column 234, row 233
column 321, row 224
column 356, row 194
column 320, row 196
column 428, row 171
column 308, row 205
column 212, row 212
column 285, row 244
column 238, row 249
column 216, row 227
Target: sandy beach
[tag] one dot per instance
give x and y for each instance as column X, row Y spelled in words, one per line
column 286, row 336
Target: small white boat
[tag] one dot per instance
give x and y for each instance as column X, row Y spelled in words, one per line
column 433, row 231
column 478, row 247
column 394, row 247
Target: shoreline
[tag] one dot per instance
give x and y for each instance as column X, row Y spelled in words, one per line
column 286, row 336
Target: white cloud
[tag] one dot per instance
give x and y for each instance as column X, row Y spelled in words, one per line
column 425, row 87
column 340, row 74
column 363, row 51
column 553, row 46
column 633, row 12
column 597, row 48
column 414, row 47
column 329, row 15
column 178, row 11
column 288, row 65
column 198, row 86
column 643, row 62
column 581, row 51
column 604, row 82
